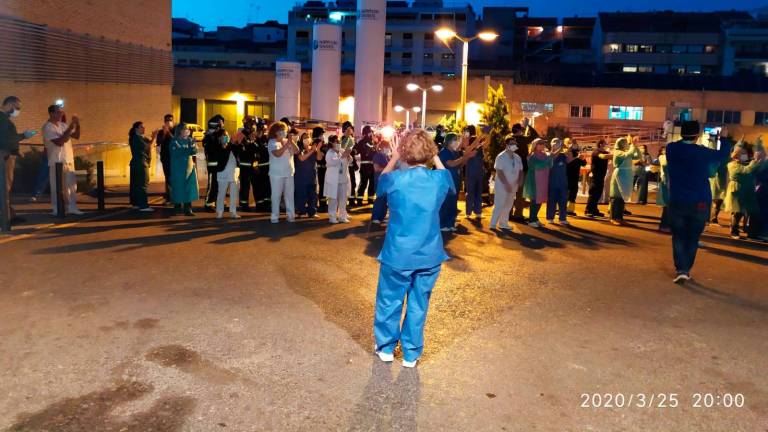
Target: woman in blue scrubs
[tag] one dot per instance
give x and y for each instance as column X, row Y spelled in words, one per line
column 413, row 247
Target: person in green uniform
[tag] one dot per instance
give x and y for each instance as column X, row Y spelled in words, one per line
column 624, row 154
column 140, row 160
column 719, row 180
column 184, row 188
column 741, row 197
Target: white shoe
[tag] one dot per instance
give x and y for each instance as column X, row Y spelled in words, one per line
column 446, row 229
column 333, row 220
column 505, row 227
column 235, row 216
column 565, row 222
column 345, row 220
column 407, row 364
column 75, row 212
column 681, row 278
column 291, row 219
column 385, row 357
column 534, row 225
column 376, row 221
column 147, row 210
column 219, row 215
column 274, row 221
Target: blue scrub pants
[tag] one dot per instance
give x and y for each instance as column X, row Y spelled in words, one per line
column 557, row 198
column 474, row 191
column 449, row 211
column 394, row 286
column 380, row 204
column 306, row 198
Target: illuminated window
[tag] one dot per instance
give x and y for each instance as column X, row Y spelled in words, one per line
column 646, row 48
column 616, row 112
column 629, row 68
column 709, row 49
column 614, row 48
column 645, row 68
column 631, row 48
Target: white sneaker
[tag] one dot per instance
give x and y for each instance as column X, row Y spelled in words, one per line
column 376, row 221
column 446, row 229
column 235, row 216
column 681, row 278
column 407, row 364
column 565, row 222
column 219, row 215
column 345, row 220
column 75, row 212
column 147, row 210
column 291, row 219
column 333, row 220
column 385, row 357
column 505, row 227
column 274, row 221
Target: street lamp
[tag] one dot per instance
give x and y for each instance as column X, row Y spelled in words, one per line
column 412, row 88
column 399, row 108
column 445, row 34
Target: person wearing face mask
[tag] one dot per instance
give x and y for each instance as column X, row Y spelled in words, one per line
column 9, row 146
column 574, row 172
column 348, row 142
column 536, row 184
column 524, row 136
column 380, row 161
column 741, row 199
column 509, row 170
column 281, row 147
column 57, row 137
column 227, row 176
column 184, row 188
column 624, row 154
column 306, row 177
column 141, row 148
column 453, row 159
column 337, row 183
column 557, row 196
column 474, row 176
column 719, row 182
column 164, row 136
column 262, row 192
column 246, row 137
column 641, row 174
column 319, row 142
column 365, row 149
column 598, row 168
column 212, row 145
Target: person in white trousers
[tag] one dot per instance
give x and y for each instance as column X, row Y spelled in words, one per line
column 337, row 186
column 228, row 177
column 282, row 146
column 509, row 169
column 57, row 136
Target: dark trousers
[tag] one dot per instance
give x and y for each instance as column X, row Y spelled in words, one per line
column 664, row 223
column 557, row 198
column 474, row 194
column 305, row 198
column 212, row 190
column 321, row 184
column 42, row 180
column 138, row 185
column 642, row 184
column 353, row 185
column 449, row 210
column 167, row 174
column 595, row 192
column 534, row 212
column 248, row 181
column 520, row 202
column 380, row 208
column 262, row 190
column 573, row 189
column 687, row 222
column 749, row 221
column 617, row 208
column 366, row 182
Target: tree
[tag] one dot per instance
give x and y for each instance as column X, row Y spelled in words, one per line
column 496, row 116
column 451, row 125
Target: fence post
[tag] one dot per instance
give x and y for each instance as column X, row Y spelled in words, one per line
column 59, row 190
column 100, row 184
column 5, row 205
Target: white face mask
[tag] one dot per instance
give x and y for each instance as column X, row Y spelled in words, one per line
column 744, row 157
column 512, row 148
column 14, row 113
column 337, row 146
column 282, row 134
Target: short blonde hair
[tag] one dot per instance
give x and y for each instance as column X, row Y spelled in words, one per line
column 417, row 147
column 275, row 128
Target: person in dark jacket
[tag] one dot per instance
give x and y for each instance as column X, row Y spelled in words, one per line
column 524, row 136
column 262, row 193
column 9, row 146
column 599, row 169
column 140, row 162
column 318, row 141
column 227, row 176
column 164, row 136
column 574, row 172
column 212, row 144
column 246, row 137
column 365, row 148
column 474, row 170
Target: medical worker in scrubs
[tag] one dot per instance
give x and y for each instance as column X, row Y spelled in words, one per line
column 624, row 153
column 474, row 175
column 413, row 246
column 557, row 196
column 509, row 170
column 453, row 160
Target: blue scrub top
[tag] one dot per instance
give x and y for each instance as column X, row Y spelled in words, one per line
column 475, row 166
column 413, row 239
column 447, row 155
column 306, row 172
column 558, row 174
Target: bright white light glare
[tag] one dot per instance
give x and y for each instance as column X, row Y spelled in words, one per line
column 487, row 36
column 536, row 114
column 387, row 131
column 445, row 33
column 412, row 87
column 335, row 16
column 559, row 29
column 437, row 88
column 399, row 108
column 417, row 109
column 59, row 102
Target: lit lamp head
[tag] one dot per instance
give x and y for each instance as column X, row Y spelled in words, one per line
column 487, row 36
column 399, row 108
column 412, row 87
column 445, row 34
column 417, row 109
column 437, row 88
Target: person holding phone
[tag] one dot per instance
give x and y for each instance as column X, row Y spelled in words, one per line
column 413, row 252
column 557, row 196
column 337, row 182
column 228, row 176
column 141, row 148
column 453, row 160
column 57, row 137
column 282, row 146
column 536, row 185
column 741, row 199
column 509, row 169
column 306, row 176
column 474, row 175
column 9, row 145
column 164, row 136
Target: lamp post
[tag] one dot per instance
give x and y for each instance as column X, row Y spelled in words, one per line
column 446, row 34
column 399, row 108
column 413, row 87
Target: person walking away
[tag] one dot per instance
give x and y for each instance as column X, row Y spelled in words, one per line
column 413, row 251
column 536, row 184
column 141, row 148
column 689, row 166
column 641, row 168
column 741, row 198
column 184, row 187
column 306, row 177
column 624, row 153
column 228, row 176
column 246, row 139
column 9, row 146
column 574, row 173
column 57, row 137
column 365, row 149
column 474, row 176
column 164, row 135
column 337, row 182
column 212, row 146
column 380, row 161
column 662, row 195
column 509, row 170
column 557, row 195
column 281, row 170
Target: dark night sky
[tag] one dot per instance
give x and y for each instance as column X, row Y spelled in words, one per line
column 211, row 13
